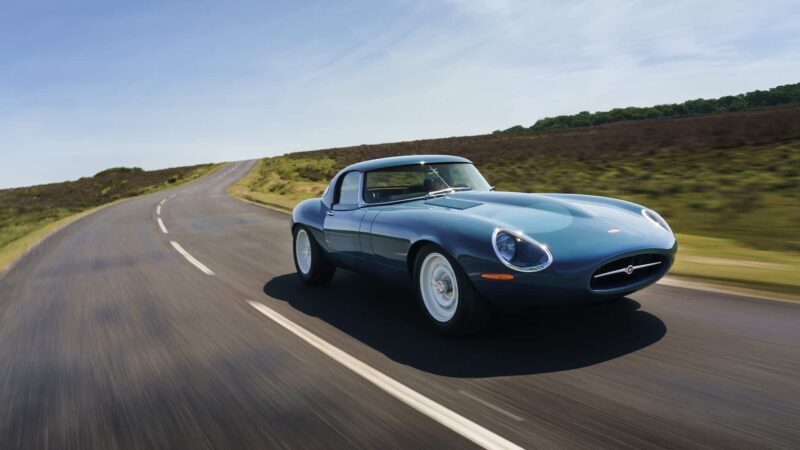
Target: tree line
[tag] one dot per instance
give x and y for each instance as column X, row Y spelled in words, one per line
column 781, row 95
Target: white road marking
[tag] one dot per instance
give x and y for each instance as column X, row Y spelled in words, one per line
column 435, row 411
column 191, row 258
column 161, row 225
column 162, row 201
column 740, row 292
column 158, row 210
column 173, row 195
column 493, row 407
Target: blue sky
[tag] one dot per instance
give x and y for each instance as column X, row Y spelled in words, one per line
column 86, row 85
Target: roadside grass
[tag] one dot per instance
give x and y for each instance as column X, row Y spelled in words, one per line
column 273, row 183
column 728, row 184
column 749, row 195
column 728, row 262
column 29, row 214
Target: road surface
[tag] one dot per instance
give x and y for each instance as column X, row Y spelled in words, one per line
column 175, row 320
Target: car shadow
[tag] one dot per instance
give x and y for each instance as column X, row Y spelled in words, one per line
column 520, row 342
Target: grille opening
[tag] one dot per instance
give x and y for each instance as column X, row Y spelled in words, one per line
column 614, row 276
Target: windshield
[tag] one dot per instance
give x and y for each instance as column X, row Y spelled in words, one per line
column 420, row 180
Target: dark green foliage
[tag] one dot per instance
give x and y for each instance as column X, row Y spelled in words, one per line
column 118, row 170
column 781, row 95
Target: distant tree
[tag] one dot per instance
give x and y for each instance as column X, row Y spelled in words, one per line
column 780, row 95
column 116, row 170
column 516, row 129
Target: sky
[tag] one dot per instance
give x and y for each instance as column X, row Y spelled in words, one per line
column 91, row 84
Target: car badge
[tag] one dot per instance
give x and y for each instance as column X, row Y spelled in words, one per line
column 614, row 230
column 629, row 270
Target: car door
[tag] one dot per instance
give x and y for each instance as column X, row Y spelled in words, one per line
column 342, row 221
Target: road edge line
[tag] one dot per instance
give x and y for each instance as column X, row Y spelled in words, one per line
column 450, row 419
column 689, row 283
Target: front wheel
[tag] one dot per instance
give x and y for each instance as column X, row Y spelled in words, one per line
column 309, row 259
column 446, row 295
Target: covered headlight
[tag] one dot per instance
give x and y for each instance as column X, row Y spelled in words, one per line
column 654, row 217
column 519, row 251
column 506, row 246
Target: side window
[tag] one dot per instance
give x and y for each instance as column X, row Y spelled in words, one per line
column 348, row 189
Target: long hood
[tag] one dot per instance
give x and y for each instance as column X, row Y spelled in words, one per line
column 569, row 223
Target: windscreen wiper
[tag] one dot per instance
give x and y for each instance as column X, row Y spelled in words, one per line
column 446, row 191
column 439, row 192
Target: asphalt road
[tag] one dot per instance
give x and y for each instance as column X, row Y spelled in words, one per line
column 111, row 338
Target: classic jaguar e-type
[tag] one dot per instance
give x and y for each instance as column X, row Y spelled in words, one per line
column 434, row 221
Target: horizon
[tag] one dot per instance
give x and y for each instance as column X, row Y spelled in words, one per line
column 92, row 86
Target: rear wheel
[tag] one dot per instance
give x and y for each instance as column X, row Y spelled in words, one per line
column 446, row 295
column 309, row 259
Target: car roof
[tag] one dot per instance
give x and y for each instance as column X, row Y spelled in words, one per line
column 394, row 161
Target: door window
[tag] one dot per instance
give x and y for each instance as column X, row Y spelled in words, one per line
column 347, row 196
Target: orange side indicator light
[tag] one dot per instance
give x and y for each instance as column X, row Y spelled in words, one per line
column 497, row 276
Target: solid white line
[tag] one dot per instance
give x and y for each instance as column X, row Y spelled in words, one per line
column 161, row 224
column 435, row 411
column 158, row 210
column 493, row 407
column 704, row 287
column 191, row 259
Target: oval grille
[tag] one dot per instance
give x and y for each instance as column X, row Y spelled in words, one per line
column 628, row 271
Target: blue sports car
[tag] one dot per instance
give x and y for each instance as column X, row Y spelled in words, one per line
column 434, row 221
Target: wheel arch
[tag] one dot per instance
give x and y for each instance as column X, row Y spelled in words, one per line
column 413, row 251
column 310, row 214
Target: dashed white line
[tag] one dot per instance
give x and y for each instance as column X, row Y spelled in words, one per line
column 161, row 225
column 493, row 407
column 158, row 210
column 162, row 202
column 461, row 425
column 191, row 259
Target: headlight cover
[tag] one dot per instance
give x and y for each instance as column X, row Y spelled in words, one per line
column 520, row 252
column 656, row 219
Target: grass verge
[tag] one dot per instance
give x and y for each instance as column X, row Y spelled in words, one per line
column 730, row 263
column 268, row 186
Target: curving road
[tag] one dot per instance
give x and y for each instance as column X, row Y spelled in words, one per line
column 123, row 332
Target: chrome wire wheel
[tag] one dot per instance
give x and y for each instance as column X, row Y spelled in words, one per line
column 302, row 251
column 439, row 287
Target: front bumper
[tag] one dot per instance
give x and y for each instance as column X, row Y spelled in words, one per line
column 563, row 283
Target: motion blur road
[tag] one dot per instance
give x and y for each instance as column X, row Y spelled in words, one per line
column 111, row 336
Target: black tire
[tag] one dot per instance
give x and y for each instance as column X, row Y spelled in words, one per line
column 321, row 270
column 472, row 312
